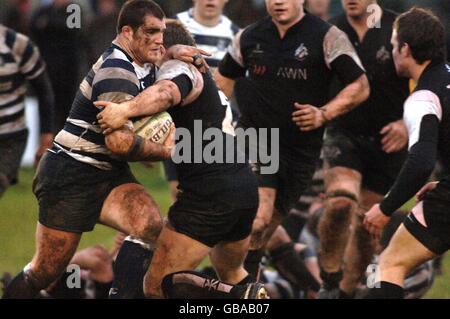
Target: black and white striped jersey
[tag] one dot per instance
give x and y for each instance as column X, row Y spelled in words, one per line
column 114, row 77
column 214, row 40
column 20, row 61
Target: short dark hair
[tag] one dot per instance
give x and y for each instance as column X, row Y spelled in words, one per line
column 133, row 13
column 423, row 32
column 176, row 33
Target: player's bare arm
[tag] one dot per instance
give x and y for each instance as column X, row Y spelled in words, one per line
column 309, row 117
column 225, row 84
column 134, row 148
column 188, row 54
column 155, row 99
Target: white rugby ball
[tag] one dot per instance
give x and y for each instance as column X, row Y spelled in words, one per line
column 155, row 128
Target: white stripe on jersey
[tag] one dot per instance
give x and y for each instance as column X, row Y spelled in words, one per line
column 85, row 159
column 9, row 68
column 12, row 110
column 85, row 125
column 11, row 127
column 7, row 98
column 418, row 105
column 72, row 141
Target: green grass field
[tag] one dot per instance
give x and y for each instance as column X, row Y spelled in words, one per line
column 18, row 217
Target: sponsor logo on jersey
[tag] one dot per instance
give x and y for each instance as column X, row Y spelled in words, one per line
column 301, row 53
column 259, row 69
column 293, row 73
column 383, row 55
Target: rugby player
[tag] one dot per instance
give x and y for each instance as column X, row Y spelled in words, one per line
column 288, row 60
column 419, row 53
column 85, row 178
column 212, row 32
column 21, row 62
column 363, row 151
column 217, row 202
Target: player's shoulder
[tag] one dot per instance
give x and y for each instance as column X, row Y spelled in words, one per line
column 13, row 39
column 436, row 78
column 173, row 68
column 115, row 57
column 257, row 29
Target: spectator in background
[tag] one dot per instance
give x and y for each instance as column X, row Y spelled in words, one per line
column 60, row 47
column 245, row 13
column 20, row 61
column 172, row 7
column 211, row 30
column 18, row 16
column 102, row 28
column 319, row 8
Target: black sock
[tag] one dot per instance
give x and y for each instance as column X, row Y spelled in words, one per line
column 102, row 289
column 386, row 290
column 292, row 267
column 331, row 280
column 60, row 290
column 252, row 263
column 129, row 269
column 194, row 285
column 20, row 288
column 344, row 295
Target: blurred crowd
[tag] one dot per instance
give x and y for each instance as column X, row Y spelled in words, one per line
column 70, row 52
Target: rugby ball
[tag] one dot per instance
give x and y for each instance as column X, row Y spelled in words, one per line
column 155, row 128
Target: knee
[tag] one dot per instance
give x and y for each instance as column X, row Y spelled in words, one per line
column 150, row 226
column 339, row 209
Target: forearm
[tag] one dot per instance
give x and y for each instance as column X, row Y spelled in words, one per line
column 414, row 174
column 46, row 102
column 133, row 148
column 152, row 100
column 349, row 98
column 225, row 84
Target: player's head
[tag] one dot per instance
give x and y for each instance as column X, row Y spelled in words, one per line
column 418, row 37
column 209, row 9
column 176, row 33
column 141, row 23
column 318, row 8
column 357, row 8
column 285, row 12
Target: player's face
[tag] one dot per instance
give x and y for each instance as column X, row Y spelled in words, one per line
column 398, row 55
column 284, row 11
column 148, row 40
column 318, row 7
column 356, row 8
column 210, row 8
